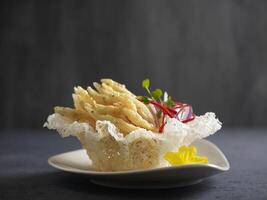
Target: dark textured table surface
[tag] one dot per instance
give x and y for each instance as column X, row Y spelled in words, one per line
column 25, row 174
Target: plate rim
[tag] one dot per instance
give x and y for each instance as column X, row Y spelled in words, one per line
column 131, row 172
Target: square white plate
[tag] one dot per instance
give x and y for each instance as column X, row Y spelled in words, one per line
column 166, row 177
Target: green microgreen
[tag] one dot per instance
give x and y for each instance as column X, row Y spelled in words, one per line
column 169, row 102
column 156, row 94
column 144, row 99
column 164, row 107
column 146, row 84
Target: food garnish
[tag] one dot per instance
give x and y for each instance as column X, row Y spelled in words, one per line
column 166, row 107
column 185, row 155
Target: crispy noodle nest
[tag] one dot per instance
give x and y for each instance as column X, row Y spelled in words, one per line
column 110, row 150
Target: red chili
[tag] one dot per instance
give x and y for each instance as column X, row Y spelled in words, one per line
column 162, row 124
column 171, row 112
column 189, row 119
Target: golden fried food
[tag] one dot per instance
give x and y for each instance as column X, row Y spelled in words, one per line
column 117, row 86
column 109, row 101
column 122, row 125
column 75, row 115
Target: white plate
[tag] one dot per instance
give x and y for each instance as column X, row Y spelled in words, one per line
column 166, row 177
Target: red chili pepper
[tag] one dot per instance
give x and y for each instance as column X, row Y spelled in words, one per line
column 189, row 119
column 171, row 112
column 162, row 124
column 165, row 110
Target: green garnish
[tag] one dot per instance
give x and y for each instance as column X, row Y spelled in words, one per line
column 145, row 84
column 144, row 99
column 165, row 107
column 155, row 95
column 169, row 102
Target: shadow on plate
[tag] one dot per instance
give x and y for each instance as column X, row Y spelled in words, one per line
column 63, row 185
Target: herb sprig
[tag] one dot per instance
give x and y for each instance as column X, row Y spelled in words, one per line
column 166, row 106
column 155, row 95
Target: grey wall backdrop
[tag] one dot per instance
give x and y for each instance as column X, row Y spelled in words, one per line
column 212, row 54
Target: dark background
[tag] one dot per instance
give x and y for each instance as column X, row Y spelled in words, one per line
column 212, row 54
